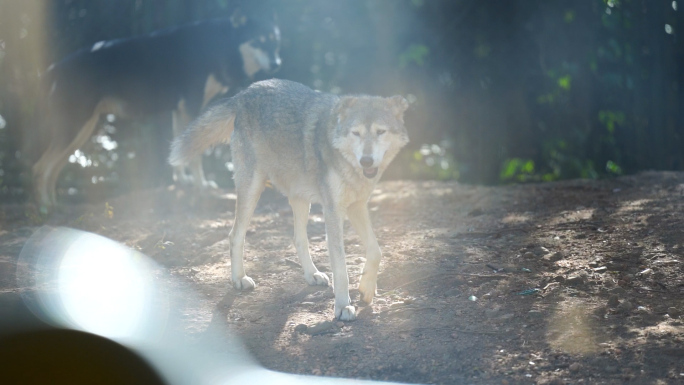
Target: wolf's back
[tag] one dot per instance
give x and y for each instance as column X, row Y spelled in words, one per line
column 212, row 127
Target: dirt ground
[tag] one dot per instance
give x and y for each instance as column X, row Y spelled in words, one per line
column 569, row 282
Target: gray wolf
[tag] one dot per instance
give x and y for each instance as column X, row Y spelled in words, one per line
column 178, row 70
column 313, row 147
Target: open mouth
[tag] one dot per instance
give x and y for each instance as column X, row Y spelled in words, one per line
column 370, row 172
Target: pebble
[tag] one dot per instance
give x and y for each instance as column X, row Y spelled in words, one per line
column 535, row 314
column 618, row 291
column 553, row 257
column 673, row 312
column 320, row 328
column 489, row 313
column 301, row 328
column 574, row 280
column 613, row 301
column 575, row 367
column 625, row 307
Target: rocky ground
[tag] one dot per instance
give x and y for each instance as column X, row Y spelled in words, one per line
column 568, row 282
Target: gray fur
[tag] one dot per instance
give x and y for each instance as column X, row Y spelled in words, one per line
column 308, row 144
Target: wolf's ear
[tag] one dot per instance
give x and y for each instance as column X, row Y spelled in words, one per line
column 399, row 105
column 344, row 105
column 238, row 19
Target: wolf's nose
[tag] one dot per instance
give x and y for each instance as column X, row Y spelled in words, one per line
column 366, row 161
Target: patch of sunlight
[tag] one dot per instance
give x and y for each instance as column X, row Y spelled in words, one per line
column 631, row 206
column 663, row 328
column 438, row 192
column 106, row 142
column 80, row 158
column 571, row 329
column 515, row 218
column 570, row 216
column 406, row 192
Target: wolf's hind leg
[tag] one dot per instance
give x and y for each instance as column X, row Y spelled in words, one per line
column 248, row 192
column 360, row 220
column 300, row 210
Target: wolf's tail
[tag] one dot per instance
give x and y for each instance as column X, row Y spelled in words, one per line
column 212, row 127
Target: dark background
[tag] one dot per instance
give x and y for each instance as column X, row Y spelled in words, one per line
column 504, row 90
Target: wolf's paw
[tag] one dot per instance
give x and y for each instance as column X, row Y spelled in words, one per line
column 367, row 290
column 318, row 279
column 244, row 283
column 347, row 313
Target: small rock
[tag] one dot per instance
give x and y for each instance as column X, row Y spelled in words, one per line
column 601, row 269
column 472, row 298
column 340, row 324
column 507, row 316
column 613, row 301
column 575, row 367
column 618, row 291
column 559, row 278
column 489, row 313
column 301, row 328
column 320, row 328
column 610, row 369
column 535, row 314
column 625, row 307
column 452, row 292
column 673, row 312
column 575, row 280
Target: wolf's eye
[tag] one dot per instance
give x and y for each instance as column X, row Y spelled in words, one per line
column 380, row 132
column 356, row 133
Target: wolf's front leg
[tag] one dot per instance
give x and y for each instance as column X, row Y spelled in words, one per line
column 360, row 220
column 334, row 233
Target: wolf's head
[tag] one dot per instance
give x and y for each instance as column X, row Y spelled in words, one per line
column 259, row 42
column 370, row 131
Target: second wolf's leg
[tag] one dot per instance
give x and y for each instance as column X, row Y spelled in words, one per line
column 360, row 220
column 180, row 121
column 300, row 210
column 334, row 221
column 47, row 169
column 42, row 177
column 248, row 192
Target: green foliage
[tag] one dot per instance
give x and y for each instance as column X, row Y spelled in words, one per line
column 612, row 118
column 613, row 168
column 519, row 170
column 415, row 53
column 564, row 82
column 432, row 161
